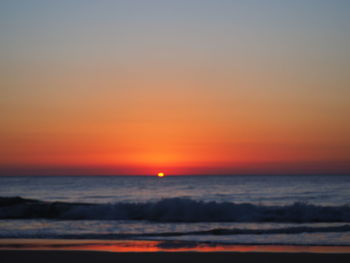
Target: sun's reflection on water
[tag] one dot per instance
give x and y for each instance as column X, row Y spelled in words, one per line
column 157, row 246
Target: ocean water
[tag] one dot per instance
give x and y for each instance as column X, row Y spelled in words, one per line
column 298, row 210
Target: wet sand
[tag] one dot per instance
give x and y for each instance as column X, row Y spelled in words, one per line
column 50, row 256
column 90, row 251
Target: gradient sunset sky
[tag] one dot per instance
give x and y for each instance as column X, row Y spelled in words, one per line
column 183, row 87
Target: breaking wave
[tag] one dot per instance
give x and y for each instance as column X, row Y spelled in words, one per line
column 172, row 210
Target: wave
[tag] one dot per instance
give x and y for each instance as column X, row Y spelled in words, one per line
column 172, row 210
column 211, row 232
column 243, row 231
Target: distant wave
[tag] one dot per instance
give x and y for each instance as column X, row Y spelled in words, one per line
column 171, row 210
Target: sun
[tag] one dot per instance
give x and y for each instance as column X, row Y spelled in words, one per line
column 160, row 174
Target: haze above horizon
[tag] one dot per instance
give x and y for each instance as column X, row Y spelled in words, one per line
column 182, row 87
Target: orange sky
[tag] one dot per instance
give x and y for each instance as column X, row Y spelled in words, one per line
column 91, row 90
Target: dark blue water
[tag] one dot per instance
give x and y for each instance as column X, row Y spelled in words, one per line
column 233, row 209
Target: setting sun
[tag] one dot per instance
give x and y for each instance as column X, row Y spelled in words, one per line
column 160, row 174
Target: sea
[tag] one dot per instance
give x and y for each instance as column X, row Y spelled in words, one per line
column 247, row 209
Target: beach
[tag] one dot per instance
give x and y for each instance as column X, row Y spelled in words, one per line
column 94, row 256
column 89, row 251
column 175, row 131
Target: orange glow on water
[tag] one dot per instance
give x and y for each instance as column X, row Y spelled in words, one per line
column 157, row 246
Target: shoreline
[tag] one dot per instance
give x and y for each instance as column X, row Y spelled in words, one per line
column 138, row 246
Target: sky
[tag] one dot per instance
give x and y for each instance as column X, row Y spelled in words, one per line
column 183, row 87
